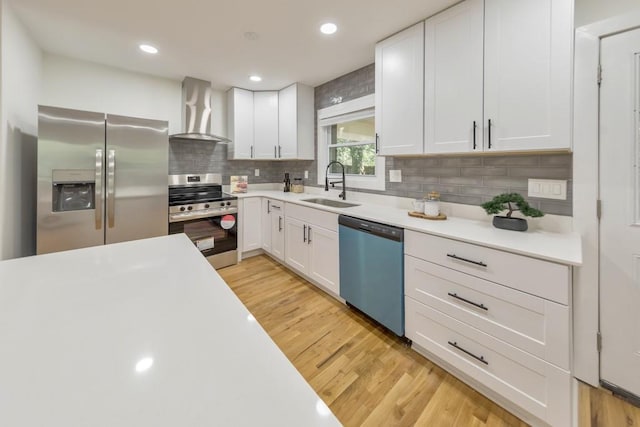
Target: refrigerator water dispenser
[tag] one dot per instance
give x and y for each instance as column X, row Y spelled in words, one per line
column 73, row 190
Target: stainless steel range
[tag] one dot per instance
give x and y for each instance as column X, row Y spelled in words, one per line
column 199, row 208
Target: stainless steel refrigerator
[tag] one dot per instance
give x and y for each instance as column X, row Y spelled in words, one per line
column 102, row 179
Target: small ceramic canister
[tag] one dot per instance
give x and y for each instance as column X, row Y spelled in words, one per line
column 432, row 204
column 418, row 205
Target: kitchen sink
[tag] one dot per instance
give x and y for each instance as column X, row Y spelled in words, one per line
column 331, row 203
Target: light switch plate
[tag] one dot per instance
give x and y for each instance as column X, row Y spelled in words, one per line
column 395, row 175
column 548, row 188
column 256, row 172
column 306, row 174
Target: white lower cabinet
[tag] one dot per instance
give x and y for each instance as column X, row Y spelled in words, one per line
column 250, row 218
column 273, row 227
column 499, row 319
column 311, row 245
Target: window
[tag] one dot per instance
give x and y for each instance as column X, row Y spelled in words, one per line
column 346, row 133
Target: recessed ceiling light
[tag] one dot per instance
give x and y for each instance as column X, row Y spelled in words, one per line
column 144, row 364
column 328, row 28
column 255, row 78
column 148, row 48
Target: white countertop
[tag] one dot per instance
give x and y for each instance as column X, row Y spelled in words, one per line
column 74, row 325
column 563, row 248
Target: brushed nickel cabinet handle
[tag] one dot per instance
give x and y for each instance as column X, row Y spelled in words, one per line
column 454, row 295
column 454, row 256
column 478, row 358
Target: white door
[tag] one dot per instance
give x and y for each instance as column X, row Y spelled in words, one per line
column 276, row 229
column 240, row 123
column 250, row 216
column 324, row 264
column 266, row 224
column 527, row 92
column 399, row 92
column 277, row 232
column 265, row 125
column 288, row 122
column 453, row 79
column 620, row 221
column 296, row 247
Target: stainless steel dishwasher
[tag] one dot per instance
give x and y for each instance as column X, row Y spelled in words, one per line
column 372, row 270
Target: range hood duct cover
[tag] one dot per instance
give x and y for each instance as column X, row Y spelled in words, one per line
column 196, row 112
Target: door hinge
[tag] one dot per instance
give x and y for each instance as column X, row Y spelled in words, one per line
column 599, row 74
column 599, row 341
column 599, row 208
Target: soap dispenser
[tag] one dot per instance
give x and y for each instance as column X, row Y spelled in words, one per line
column 287, row 182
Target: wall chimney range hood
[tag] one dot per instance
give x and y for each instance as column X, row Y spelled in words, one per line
column 196, row 112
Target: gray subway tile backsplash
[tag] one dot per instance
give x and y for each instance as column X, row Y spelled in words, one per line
column 472, row 179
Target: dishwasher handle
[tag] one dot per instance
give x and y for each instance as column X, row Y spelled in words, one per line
column 373, row 228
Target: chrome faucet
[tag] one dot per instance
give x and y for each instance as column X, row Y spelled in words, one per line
column 342, row 195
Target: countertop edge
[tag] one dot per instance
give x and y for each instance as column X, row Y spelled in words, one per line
column 571, row 240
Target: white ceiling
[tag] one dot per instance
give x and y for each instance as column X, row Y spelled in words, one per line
column 205, row 39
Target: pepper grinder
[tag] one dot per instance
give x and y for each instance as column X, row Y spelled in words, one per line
column 287, row 182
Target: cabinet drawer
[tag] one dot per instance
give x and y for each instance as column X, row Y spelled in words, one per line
column 542, row 278
column 533, row 324
column 531, row 383
column 328, row 220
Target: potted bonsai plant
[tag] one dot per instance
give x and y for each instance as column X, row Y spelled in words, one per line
column 510, row 202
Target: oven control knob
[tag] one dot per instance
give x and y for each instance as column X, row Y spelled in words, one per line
column 189, row 207
column 228, row 203
column 181, row 208
column 206, row 205
column 222, row 204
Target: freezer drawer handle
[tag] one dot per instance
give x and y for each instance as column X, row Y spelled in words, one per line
column 478, row 358
column 454, row 295
column 111, row 187
column 454, row 256
column 98, row 191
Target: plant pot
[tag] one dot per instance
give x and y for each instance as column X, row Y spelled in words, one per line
column 506, row 223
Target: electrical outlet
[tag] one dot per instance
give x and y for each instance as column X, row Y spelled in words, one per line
column 395, row 175
column 306, row 174
column 256, row 172
column 548, row 188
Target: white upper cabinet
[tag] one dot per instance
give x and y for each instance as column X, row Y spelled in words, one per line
column 399, row 92
column 295, row 122
column 528, row 51
column 240, row 123
column 265, row 127
column 271, row 125
column 453, row 79
column 525, row 73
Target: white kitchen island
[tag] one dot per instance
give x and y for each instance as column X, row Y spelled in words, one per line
column 142, row 333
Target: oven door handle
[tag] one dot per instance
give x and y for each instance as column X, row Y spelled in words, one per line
column 180, row 217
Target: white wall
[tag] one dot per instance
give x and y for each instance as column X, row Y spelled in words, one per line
column 20, row 71
column 82, row 85
column 589, row 11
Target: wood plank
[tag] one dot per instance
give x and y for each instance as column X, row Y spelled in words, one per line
column 366, row 375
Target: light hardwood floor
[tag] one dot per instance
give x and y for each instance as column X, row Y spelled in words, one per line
column 366, row 375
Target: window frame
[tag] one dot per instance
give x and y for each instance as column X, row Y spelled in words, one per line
column 358, row 108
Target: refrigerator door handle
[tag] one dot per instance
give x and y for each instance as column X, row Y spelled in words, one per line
column 98, row 189
column 111, row 187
